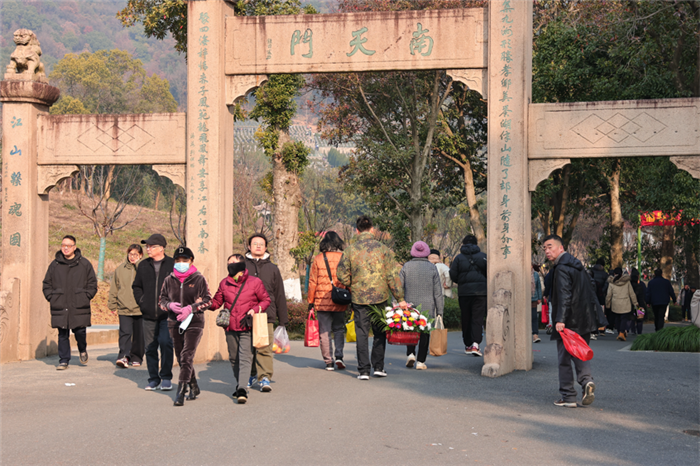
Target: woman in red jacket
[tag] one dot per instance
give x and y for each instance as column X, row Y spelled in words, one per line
column 247, row 295
column 331, row 316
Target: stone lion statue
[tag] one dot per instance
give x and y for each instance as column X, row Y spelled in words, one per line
column 25, row 60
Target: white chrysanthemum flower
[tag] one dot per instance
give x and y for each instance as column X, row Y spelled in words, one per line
column 388, row 308
column 414, row 315
column 390, row 321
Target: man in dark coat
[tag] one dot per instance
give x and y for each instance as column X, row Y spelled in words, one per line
column 259, row 265
column 468, row 270
column 573, row 301
column 659, row 292
column 147, row 286
column 69, row 285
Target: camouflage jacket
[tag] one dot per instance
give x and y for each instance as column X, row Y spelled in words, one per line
column 370, row 270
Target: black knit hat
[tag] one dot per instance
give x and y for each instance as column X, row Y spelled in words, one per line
column 183, row 251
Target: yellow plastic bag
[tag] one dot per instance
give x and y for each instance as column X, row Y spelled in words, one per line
column 350, row 334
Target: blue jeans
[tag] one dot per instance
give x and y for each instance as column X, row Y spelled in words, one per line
column 155, row 334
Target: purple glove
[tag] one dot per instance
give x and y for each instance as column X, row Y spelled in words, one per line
column 175, row 307
column 184, row 313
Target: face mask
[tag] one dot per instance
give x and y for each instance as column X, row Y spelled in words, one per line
column 182, row 267
column 236, row 267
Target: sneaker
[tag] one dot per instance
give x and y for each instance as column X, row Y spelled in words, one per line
column 565, row 404
column 166, row 385
column 241, row 396
column 379, row 373
column 83, row 358
column 475, row 350
column 536, row 339
column 252, row 381
column 62, row 366
column 469, row 349
column 152, row 386
column 621, row 337
column 363, row 376
column 588, row 395
column 135, row 364
column 411, row 360
column 339, row 364
column 123, row 363
column 421, row 366
column 593, row 337
column 330, row 367
column 609, row 331
column 265, row 385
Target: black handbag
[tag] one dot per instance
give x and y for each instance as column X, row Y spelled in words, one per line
column 224, row 318
column 338, row 295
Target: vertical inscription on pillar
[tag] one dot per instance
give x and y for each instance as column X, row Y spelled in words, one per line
column 505, row 50
column 199, row 141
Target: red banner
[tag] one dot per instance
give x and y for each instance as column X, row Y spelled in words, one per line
column 658, row 218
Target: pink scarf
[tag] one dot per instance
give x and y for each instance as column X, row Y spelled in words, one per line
column 183, row 276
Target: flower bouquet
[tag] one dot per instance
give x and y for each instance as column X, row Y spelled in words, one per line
column 402, row 326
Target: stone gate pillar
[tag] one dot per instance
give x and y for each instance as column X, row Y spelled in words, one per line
column 25, row 221
column 209, row 155
column 508, row 331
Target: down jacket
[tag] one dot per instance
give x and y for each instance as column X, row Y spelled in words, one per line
column 254, row 296
column 320, row 287
column 69, row 285
column 186, row 293
column 468, row 270
column 574, row 302
column 147, row 287
column 621, row 296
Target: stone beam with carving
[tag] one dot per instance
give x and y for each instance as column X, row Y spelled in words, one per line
column 631, row 128
column 474, row 79
column 239, row 86
column 50, row 175
column 539, row 170
column 175, row 172
column 156, row 138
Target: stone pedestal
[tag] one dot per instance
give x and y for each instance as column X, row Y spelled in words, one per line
column 209, row 171
column 509, row 341
column 25, row 223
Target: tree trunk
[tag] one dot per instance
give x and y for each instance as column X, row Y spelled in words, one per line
column 285, row 226
column 474, row 217
column 691, row 259
column 617, row 223
column 155, row 207
column 667, row 248
column 101, row 260
column 108, row 182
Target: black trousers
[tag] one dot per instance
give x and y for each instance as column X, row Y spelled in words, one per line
column 185, row 344
column 473, row 311
column 155, row 335
column 423, row 346
column 659, row 314
column 362, row 326
column 131, row 338
column 64, row 342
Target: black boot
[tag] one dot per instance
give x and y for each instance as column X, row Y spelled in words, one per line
column 194, row 389
column 181, row 391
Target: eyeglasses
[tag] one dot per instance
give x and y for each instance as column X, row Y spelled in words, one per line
column 67, row 246
column 134, row 254
column 151, row 246
column 258, row 244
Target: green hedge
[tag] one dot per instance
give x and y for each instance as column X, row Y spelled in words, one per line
column 684, row 339
column 452, row 317
column 674, row 314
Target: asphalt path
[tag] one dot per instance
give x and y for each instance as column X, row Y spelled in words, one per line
column 449, row 414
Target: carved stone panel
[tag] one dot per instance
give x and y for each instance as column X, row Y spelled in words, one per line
column 239, row 86
column 691, row 164
column 112, row 139
column 51, row 175
column 539, row 170
column 176, row 173
column 635, row 128
column 475, row 80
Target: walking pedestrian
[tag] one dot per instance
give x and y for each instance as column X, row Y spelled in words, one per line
column 185, row 295
column 259, row 265
column 573, row 298
column 659, row 292
column 243, row 295
column 369, row 268
column 536, row 298
column 600, row 277
column 423, row 288
column 684, row 298
column 621, row 299
column 468, row 270
column 121, row 299
column 331, row 316
column 69, row 285
column 148, row 283
column 640, row 291
column 436, row 258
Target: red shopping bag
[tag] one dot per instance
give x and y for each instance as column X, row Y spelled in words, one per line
column 575, row 345
column 311, row 334
column 545, row 311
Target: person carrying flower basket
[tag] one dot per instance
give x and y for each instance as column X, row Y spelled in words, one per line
column 369, row 268
column 423, row 288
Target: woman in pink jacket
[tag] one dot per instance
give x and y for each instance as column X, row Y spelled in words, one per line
column 247, row 295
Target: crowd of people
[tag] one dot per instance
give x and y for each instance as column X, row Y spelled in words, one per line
column 161, row 300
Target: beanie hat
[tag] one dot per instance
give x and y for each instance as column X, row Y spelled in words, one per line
column 420, row 249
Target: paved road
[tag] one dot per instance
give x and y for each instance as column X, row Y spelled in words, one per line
column 448, row 414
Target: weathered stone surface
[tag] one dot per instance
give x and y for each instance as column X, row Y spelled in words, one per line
column 690, row 163
column 25, row 60
column 540, row 169
column 112, row 139
column 626, row 128
column 28, row 91
column 475, row 80
column 401, row 40
column 240, row 86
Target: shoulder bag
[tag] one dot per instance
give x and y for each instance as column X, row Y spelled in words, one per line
column 338, row 295
column 224, row 317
